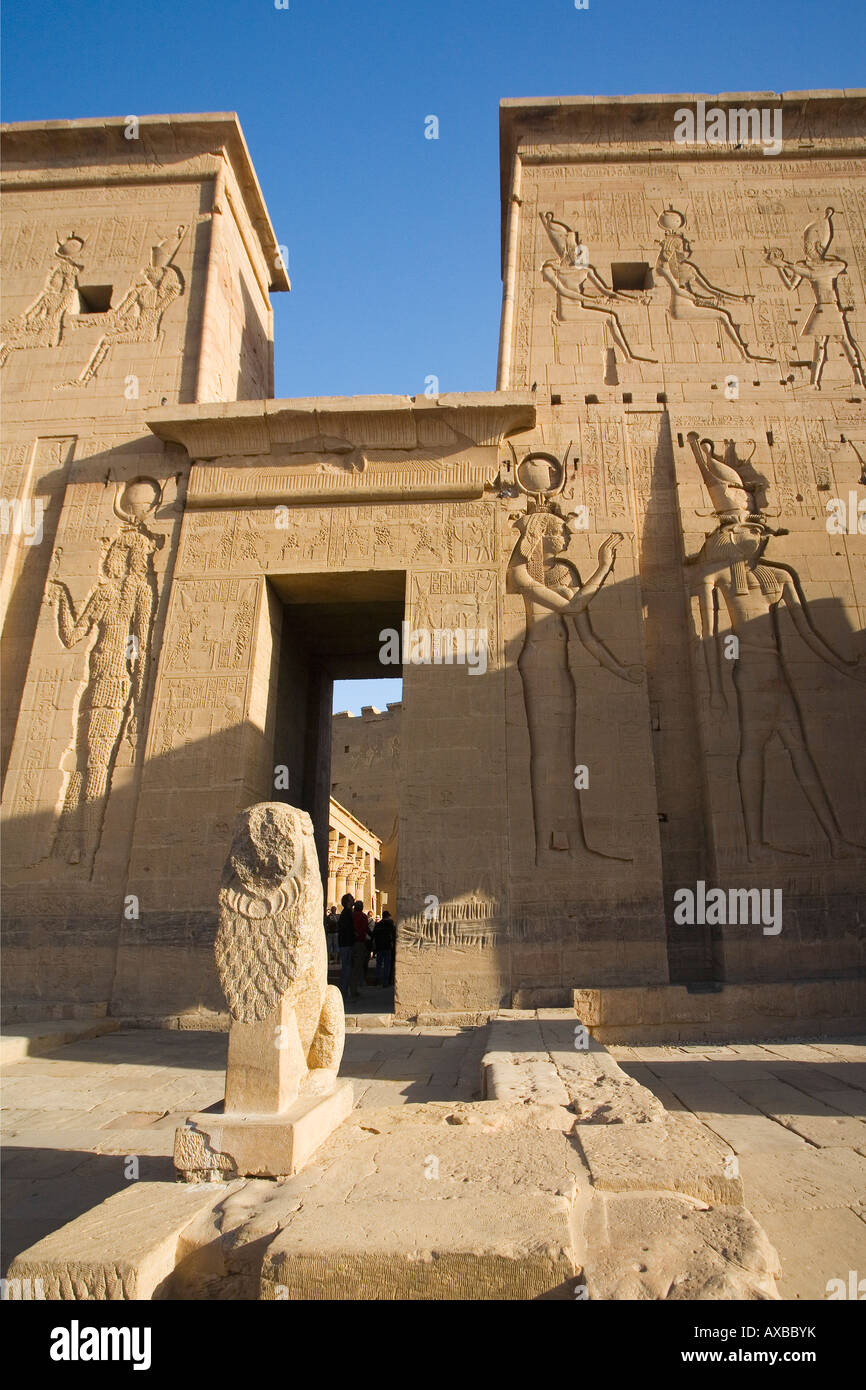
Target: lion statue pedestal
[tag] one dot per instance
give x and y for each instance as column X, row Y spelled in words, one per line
column 283, row 1097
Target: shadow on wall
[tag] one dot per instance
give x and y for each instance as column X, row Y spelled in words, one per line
column 136, row 937
column 117, row 903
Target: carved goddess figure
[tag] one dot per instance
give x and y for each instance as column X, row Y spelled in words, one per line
column 575, row 279
column 556, row 604
column 828, row 319
column 692, row 295
column 731, row 564
column 119, row 611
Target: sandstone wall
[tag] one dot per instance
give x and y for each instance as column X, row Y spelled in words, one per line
column 110, row 297
column 736, row 357
column 556, row 800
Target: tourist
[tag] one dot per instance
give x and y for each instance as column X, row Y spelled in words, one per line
column 384, row 934
column 372, row 923
column 332, row 923
column 360, row 949
column 346, row 941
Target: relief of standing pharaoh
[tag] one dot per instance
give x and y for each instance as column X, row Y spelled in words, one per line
column 827, row 322
column 119, row 610
column 557, row 604
column 732, row 565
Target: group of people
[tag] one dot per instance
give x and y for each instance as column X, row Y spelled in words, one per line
column 357, row 936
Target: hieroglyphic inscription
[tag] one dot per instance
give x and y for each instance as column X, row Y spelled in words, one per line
column 212, row 625
column 41, row 709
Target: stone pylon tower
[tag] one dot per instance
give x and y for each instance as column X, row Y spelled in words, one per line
column 138, row 261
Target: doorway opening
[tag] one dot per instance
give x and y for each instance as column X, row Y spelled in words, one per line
column 337, row 735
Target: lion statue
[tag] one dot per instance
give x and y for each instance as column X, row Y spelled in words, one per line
column 270, row 944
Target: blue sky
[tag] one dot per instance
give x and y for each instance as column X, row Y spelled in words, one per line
column 394, row 239
column 352, row 695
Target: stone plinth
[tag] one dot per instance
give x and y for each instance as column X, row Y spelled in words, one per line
column 217, row 1147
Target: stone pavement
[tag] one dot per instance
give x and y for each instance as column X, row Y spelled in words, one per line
column 82, row 1123
column 795, row 1116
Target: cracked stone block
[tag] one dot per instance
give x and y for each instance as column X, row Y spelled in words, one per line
column 476, row 1248
column 665, row 1247
column 677, row 1154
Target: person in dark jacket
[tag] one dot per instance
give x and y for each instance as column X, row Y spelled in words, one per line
column 384, row 938
column 360, row 950
column 345, row 941
column 332, row 922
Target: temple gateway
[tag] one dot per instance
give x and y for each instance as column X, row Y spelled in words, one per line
column 641, row 666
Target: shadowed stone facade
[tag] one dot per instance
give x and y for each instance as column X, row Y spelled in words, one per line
column 633, row 643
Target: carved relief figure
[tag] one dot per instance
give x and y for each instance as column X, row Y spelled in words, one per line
column 556, row 603
column 827, row 322
column 731, row 564
column 41, row 325
column 138, row 316
column 737, row 490
column 692, row 295
column 270, row 948
column 424, row 544
column 573, row 278
column 119, row 610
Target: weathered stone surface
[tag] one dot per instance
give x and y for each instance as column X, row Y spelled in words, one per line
column 18, row 1041
column 827, row 1130
column 816, row 1247
column 808, row 1180
column 673, row 1014
column 600, row 1096
column 660, row 1247
column 675, row 1154
column 493, row 1147
column 125, row 1248
column 527, row 1081
column 496, row 1196
column 230, row 1146
column 439, row 1201
column 549, row 1059
column 474, row 1248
